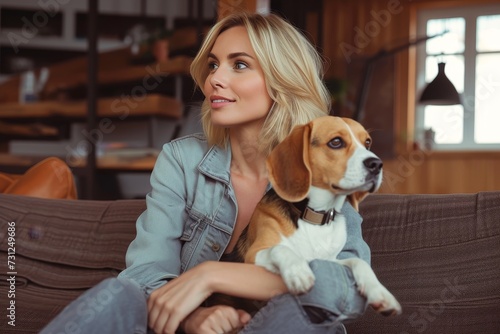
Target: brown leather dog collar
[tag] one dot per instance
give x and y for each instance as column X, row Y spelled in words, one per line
column 318, row 217
column 314, row 217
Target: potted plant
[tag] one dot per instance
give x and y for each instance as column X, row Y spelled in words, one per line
column 159, row 44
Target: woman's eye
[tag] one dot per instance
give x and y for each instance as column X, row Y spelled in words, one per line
column 212, row 66
column 239, row 65
column 336, row 143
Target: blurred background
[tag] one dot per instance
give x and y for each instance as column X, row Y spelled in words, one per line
column 380, row 55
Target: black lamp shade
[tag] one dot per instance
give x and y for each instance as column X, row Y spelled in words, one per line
column 440, row 91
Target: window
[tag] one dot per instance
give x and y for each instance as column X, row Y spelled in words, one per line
column 471, row 51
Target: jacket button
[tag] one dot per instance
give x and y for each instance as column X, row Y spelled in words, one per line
column 215, row 247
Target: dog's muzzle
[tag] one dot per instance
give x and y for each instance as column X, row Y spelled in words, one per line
column 374, row 167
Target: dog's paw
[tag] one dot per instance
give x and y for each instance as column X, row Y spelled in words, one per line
column 298, row 278
column 381, row 300
column 270, row 267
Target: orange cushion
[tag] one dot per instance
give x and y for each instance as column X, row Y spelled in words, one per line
column 5, row 181
column 50, row 178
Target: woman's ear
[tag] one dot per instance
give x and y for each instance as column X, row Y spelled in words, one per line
column 288, row 165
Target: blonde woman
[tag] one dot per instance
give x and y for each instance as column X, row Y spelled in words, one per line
column 260, row 78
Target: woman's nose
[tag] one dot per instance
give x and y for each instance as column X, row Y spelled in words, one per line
column 218, row 78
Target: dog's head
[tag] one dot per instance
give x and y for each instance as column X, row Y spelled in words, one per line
column 330, row 153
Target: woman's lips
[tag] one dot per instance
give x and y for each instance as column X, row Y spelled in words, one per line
column 220, row 102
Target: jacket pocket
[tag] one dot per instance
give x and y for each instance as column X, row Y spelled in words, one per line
column 191, row 238
column 190, row 228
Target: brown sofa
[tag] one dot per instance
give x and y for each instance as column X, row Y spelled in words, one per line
column 438, row 254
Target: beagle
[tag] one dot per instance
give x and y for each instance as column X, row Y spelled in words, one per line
column 312, row 172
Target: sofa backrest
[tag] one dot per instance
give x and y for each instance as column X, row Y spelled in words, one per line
column 440, row 256
column 68, row 244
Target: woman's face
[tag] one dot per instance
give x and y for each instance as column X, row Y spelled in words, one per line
column 235, row 86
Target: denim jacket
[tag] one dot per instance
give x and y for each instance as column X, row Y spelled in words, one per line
column 191, row 212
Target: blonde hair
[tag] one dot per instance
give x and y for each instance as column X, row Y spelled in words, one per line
column 293, row 72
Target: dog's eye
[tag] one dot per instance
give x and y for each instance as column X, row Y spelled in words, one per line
column 336, row 143
column 368, row 143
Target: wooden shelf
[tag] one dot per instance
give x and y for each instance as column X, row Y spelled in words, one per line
column 174, row 66
column 10, row 163
column 150, row 105
column 62, row 72
column 118, row 75
column 34, row 130
column 57, row 43
column 113, row 163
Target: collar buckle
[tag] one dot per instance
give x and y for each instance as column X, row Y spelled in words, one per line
column 328, row 216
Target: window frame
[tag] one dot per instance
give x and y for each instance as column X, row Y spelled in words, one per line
column 470, row 14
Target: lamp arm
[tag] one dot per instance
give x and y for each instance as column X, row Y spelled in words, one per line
column 368, row 71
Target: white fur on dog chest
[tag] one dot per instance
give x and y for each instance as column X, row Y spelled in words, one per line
column 318, row 241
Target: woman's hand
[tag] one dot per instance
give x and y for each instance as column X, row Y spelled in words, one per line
column 174, row 301
column 171, row 303
column 215, row 319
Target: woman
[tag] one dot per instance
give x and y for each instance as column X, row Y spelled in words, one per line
column 260, row 78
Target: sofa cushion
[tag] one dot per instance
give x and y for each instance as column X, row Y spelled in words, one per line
column 50, row 178
column 439, row 255
column 69, row 244
column 62, row 248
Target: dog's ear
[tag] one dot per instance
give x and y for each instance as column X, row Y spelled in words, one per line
column 356, row 198
column 288, row 165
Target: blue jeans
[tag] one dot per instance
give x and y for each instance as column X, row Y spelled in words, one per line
column 113, row 306
column 118, row 305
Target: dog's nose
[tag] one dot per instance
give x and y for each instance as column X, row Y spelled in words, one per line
column 374, row 165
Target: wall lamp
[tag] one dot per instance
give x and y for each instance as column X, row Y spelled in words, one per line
column 440, row 91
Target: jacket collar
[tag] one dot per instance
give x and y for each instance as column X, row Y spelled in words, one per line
column 216, row 164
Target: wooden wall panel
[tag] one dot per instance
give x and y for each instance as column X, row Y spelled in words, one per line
column 361, row 28
column 409, row 171
column 226, row 7
column 441, row 173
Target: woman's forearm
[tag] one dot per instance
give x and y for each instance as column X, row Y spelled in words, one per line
column 244, row 280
